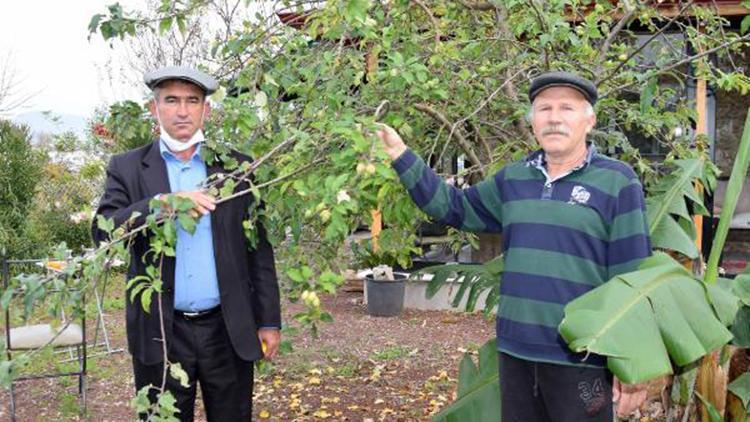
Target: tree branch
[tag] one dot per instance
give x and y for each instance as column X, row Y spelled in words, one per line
column 648, row 41
column 432, row 19
column 462, row 141
column 608, row 42
column 485, row 7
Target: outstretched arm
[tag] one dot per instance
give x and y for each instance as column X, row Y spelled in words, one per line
column 476, row 209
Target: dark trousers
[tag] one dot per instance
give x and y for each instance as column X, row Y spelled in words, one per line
column 537, row 391
column 204, row 350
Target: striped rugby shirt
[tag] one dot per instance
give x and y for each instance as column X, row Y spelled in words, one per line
column 561, row 238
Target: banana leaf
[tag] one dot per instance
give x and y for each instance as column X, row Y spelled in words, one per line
column 641, row 320
column 740, row 387
column 669, row 220
column 473, row 280
column 478, row 396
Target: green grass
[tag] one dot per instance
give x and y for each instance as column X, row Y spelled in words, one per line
column 347, row 370
column 69, row 404
column 391, row 353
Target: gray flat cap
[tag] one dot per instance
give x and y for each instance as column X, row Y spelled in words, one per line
column 183, row 73
column 570, row 80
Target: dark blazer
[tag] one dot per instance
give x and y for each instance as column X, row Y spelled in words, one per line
column 248, row 286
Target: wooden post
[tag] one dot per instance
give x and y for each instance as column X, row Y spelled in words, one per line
column 375, row 228
column 712, row 378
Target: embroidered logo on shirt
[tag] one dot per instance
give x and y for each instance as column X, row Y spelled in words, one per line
column 579, row 195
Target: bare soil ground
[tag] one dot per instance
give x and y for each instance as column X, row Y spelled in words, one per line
column 360, row 368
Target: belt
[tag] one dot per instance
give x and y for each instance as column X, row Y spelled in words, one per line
column 196, row 315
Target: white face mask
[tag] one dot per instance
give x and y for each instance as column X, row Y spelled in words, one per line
column 175, row 145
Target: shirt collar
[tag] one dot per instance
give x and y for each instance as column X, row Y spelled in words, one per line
column 169, row 155
column 536, row 158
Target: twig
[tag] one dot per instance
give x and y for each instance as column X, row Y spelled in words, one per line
column 433, row 20
column 486, row 100
column 648, row 41
column 463, row 142
column 612, row 34
column 486, row 7
column 268, row 183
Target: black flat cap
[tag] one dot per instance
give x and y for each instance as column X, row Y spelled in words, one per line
column 183, row 73
column 570, row 80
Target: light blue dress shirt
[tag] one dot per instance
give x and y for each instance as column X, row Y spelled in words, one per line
column 196, row 286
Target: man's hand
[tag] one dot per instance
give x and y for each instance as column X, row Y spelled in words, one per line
column 270, row 338
column 202, row 203
column 392, row 143
column 628, row 397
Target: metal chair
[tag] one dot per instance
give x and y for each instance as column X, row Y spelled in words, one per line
column 70, row 336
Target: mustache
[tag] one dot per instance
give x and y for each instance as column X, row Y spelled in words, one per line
column 556, row 129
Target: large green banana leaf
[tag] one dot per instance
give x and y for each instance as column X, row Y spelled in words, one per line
column 478, row 396
column 641, row 319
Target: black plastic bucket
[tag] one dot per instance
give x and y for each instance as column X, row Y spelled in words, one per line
column 385, row 297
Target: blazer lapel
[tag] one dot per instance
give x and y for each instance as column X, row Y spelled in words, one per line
column 154, row 180
column 154, row 170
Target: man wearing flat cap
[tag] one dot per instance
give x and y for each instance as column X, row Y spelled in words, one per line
column 220, row 294
column 571, row 219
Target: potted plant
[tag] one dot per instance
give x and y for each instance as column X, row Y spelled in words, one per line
column 384, row 287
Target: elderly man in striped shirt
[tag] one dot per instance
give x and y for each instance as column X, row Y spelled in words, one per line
column 571, row 219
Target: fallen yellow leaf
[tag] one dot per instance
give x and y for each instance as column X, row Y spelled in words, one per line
column 314, row 381
column 322, row 414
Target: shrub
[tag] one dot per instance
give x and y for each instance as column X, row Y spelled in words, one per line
column 20, row 170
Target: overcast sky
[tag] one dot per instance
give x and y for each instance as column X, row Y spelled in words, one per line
column 51, row 56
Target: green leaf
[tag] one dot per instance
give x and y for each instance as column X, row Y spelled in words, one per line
column 472, row 279
column 141, row 402
column 166, row 405
column 668, row 198
column 740, row 387
column 326, row 317
column 724, row 301
column 146, row 300
column 5, row 299
column 647, row 95
column 105, row 224
column 135, row 290
column 357, row 9
column 734, row 190
column 641, row 320
column 176, row 372
column 745, row 24
column 187, row 222
column 741, row 328
column 164, row 25
column 478, row 396
column 94, row 22
column 228, row 188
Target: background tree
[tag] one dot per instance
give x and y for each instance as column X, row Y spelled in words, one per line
column 20, row 169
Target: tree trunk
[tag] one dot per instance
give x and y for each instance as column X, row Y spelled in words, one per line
column 490, row 246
